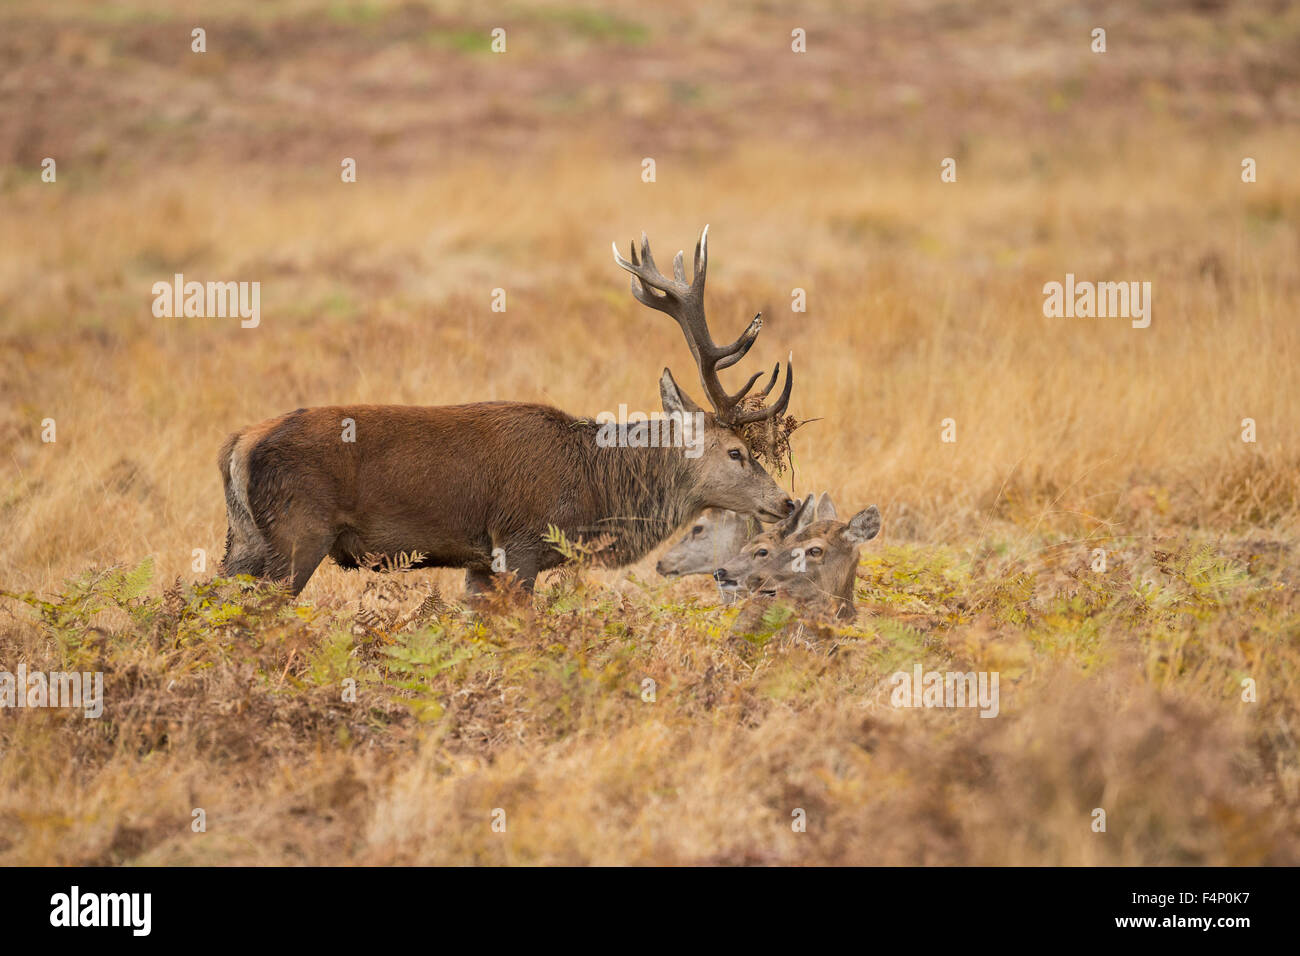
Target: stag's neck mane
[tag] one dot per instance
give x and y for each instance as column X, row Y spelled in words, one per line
column 642, row 495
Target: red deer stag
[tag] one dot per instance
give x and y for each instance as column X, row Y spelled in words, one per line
column 477, row 486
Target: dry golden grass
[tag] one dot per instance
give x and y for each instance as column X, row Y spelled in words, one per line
column 924, row 303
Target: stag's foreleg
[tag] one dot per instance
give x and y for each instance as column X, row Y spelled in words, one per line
column 521, row 563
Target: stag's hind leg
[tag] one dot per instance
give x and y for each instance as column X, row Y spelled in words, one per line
column 296, row 549
column 295, row 562
column 246, row 548
column 245, row 554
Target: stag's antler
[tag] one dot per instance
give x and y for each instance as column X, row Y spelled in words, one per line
column 685, row 303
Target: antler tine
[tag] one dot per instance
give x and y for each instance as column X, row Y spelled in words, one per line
column 643, row 269
column 648, row 260
column 744, row 389
column 776, row 370
column 645, row 279
column 685, row 303
column 701, row 257
column 733, row 353
column 775, row 410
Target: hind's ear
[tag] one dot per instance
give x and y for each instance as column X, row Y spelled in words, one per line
column 826, row 508
column 864, row 526
column 798, row 519
column 674, row 399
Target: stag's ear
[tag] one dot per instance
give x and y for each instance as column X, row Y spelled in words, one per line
column 826, row 508
column 674, row 399
column 864, row 526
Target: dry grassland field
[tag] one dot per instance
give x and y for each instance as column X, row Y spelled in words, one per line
column 1101, row 513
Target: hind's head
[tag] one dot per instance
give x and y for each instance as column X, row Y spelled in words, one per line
column 763, row 548
column 817, row 564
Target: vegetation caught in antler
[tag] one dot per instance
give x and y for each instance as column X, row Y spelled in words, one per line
column 769, row 438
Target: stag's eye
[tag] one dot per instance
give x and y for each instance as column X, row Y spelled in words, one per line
column 697, row 529
column 814, row 552
column 736, row 455
column 761, row 553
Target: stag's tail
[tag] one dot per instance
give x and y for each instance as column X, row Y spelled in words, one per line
column 246, row 550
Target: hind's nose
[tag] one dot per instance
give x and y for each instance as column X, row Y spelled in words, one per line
column 719, row 575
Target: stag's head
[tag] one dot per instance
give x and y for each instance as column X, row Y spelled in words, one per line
column 723, row 467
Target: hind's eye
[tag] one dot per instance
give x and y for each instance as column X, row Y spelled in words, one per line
column 761, row 553
column 736, row 455
column 815, row 552
column 697, row 529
